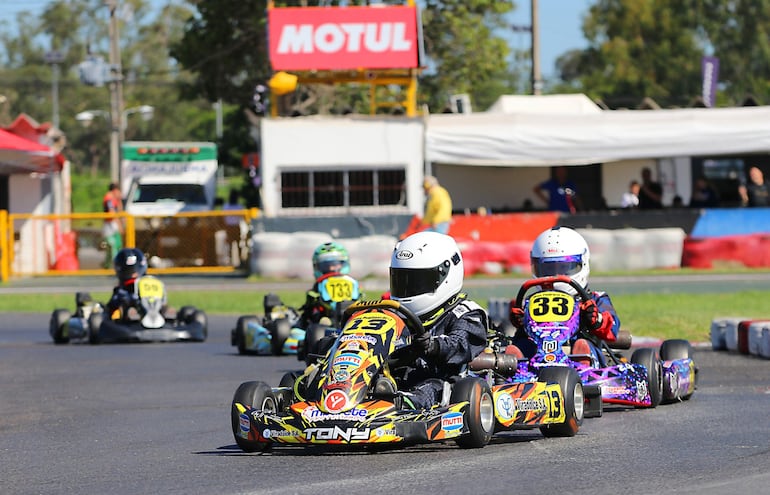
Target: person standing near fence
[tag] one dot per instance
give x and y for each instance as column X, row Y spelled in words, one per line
column 438, row 207
column 112, row 231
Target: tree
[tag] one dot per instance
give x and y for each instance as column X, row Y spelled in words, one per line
column 466, row 55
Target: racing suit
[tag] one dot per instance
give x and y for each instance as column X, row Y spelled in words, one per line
column 123, row 297
column 319, row 302
column 608, row 330
column 460, row 328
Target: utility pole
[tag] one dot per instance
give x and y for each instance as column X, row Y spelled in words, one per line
column 116, row 93
column 55, row 57
column 537, row 81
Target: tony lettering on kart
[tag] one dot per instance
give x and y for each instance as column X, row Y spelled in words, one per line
column 560, row 322
column 285, row 330
column 411, row 369
column 136, row 312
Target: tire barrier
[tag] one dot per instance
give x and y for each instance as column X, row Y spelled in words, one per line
column 740, row 335
column 282, row 255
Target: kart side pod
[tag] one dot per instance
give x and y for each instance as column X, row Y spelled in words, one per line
column 504, row 364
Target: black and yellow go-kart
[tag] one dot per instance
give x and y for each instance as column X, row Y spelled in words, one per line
column 149, row 321
column 352, row 396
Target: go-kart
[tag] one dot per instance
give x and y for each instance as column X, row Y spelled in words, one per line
column 278, row 331
column 149, row 321
column 552, row 321
column 269, row 334
column 354, row 395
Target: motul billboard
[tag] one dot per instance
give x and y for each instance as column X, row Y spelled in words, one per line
column 344, row 38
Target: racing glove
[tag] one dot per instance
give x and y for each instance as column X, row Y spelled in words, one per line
column 517, row 316
column 427, row 345
column 598, row 323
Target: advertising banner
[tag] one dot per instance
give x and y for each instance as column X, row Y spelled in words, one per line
column 343, row 38
column 710, row 73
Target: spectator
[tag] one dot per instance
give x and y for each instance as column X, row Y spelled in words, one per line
column 438, row 206
column 112, row 231
column 650, row 192
column 703, row 195
column 756, row 192
column 562, row 193
column 630, row 198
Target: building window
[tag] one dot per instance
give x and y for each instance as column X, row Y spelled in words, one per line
column 335, row 188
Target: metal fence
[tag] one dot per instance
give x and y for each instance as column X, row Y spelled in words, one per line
column 79, row 243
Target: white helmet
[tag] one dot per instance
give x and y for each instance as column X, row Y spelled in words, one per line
column 561, row 251
column 426, row 270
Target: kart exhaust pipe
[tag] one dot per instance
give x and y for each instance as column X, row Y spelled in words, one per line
column 505, row 364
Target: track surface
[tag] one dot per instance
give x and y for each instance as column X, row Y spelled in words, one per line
column 154, row 418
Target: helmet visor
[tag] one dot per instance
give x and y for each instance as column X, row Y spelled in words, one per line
column 562, row 265
column 409, row 282
column 331, row 266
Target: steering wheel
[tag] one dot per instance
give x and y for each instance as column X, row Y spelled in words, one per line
column 411, row 320
column 548, row 283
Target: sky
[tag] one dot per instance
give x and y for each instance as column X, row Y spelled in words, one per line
column 560, row 24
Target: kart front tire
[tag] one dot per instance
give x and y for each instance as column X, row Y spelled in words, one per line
column 313, row 336
column 240, row 332
column 59, row 319
column 199, row 317
column 94, row 324
column 279, row 331
column 572, row 389
column 674, row 349
column 480, row 413
column 258, row 396
column 649, row 359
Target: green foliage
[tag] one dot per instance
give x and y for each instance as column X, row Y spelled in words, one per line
column 87, row 192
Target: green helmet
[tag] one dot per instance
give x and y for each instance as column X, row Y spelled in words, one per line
column 330, row 257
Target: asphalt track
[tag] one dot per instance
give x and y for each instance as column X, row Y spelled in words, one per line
column 154, row 418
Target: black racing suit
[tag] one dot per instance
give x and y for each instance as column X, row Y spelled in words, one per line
column 460, row 327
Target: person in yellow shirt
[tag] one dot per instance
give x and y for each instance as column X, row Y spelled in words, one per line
column 438, row 206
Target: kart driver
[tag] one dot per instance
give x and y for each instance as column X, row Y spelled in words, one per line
column 426, row 277
column 330, row 259
column 129, row 264
column 563, row 251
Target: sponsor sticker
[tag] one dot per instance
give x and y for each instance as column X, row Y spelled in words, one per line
column 505, row 406
column 452, row 421
column 335, row 401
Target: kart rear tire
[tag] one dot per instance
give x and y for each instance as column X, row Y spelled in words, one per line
column 674, row 349
column 185, row 314
column 572, row 389
column 287, row 380
column 259, row 396
column 240, row 332
column 279, row 332
column 59, row 318
column 649, row 359
column 480, row 414
column 94, row 324
column 313, row 336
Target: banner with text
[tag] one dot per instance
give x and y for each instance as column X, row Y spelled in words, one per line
column 344, row 38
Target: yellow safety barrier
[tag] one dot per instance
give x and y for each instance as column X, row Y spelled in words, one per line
column 80, row 243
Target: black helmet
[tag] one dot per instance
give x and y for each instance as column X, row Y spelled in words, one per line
column 130, row 264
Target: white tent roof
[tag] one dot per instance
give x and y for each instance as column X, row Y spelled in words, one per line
column 570, row 103
column 535, row 138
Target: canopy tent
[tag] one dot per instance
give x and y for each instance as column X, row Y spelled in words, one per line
column 20, row 155
column 529, row 137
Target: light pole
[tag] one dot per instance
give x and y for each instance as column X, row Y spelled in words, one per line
column 55, row 58
column 86, row 117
